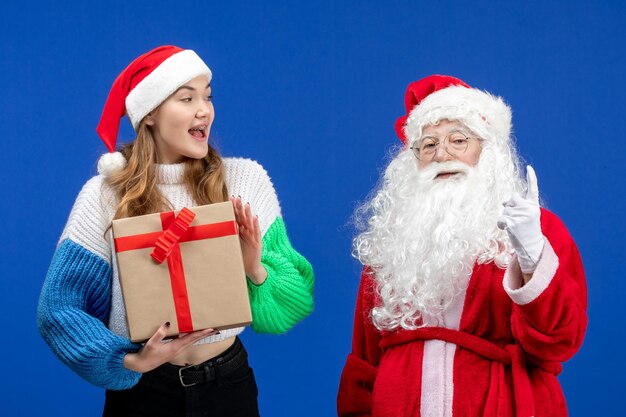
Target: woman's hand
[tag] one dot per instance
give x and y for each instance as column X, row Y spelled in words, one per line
column 251, row 241
column 155, row 352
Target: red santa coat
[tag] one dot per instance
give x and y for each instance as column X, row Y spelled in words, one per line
column 500, row 358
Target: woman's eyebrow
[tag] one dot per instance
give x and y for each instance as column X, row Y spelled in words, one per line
column 186, row 87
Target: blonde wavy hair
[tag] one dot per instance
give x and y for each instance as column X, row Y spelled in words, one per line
column 136, row 185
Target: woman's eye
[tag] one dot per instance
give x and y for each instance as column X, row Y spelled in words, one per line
column 186, row 99
column 209, row 98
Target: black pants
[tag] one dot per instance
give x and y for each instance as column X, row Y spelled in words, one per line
column 160, row 393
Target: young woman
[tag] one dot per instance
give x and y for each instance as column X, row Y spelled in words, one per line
column 166, row 94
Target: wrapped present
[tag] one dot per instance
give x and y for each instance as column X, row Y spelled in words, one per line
column 183, row 267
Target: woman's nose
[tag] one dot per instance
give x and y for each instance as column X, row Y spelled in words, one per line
column 204, row 109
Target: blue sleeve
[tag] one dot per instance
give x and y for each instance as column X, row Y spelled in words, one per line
column 73, row 309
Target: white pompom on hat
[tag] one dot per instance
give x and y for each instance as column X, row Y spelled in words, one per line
column 140, row 88
column 439, row 97
column 111, row 162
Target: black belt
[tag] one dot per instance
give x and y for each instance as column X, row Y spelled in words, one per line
column 230, row 360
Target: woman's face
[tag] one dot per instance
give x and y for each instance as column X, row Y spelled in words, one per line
column 181, row 124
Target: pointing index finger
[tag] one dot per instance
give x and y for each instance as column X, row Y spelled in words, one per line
column 533, row 189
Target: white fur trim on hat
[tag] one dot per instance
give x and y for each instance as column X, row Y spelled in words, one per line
column 478, row 110
column 162, row 82
column 110, row 163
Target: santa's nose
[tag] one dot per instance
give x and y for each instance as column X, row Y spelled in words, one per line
column 442, row 154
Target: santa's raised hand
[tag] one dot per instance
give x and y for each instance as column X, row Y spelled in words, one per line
column 521, row 219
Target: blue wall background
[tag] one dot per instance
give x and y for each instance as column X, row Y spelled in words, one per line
column 311, row 90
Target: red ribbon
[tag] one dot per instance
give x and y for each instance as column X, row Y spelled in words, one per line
column 177, row 232
column 174, row 232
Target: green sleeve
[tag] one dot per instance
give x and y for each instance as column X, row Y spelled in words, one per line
column 286, row 296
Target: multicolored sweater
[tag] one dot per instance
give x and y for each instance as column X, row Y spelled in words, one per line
column 81, row 312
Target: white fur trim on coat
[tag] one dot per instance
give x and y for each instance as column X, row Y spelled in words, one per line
column 542, row 277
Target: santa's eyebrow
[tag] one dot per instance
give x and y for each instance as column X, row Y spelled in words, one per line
column 459, row 130
column 465, row 132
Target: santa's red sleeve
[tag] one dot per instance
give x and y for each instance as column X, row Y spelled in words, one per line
column 549, row 314
column 357, row 379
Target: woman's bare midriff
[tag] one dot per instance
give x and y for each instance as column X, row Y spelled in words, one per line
column 196, row 354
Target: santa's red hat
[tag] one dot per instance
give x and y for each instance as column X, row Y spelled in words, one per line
column 439, row 97
column 140, row 88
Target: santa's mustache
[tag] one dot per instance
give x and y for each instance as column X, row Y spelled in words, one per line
column 434, row 169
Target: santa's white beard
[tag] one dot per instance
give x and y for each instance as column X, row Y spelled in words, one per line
column 425, row 234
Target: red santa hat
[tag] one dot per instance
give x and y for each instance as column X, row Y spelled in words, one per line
column 439, row 97
column 139, row 89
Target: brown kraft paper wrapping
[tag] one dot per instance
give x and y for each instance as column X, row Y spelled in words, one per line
column 213, row 275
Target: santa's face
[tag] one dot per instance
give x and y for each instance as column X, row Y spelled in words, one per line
column 450, row 140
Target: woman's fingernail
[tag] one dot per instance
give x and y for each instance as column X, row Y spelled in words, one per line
column 167, row 324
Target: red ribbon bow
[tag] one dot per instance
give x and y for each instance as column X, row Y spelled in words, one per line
column 165, row 244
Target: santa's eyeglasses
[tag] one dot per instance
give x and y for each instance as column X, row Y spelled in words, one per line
column 455, row 144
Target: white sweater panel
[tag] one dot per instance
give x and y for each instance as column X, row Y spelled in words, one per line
column 90, row 219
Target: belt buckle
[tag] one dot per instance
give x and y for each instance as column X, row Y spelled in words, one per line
column 181, row 376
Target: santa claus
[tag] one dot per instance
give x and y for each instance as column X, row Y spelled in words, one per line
column 471, row 294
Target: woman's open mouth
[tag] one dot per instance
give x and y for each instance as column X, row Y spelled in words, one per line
column 198, row 132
